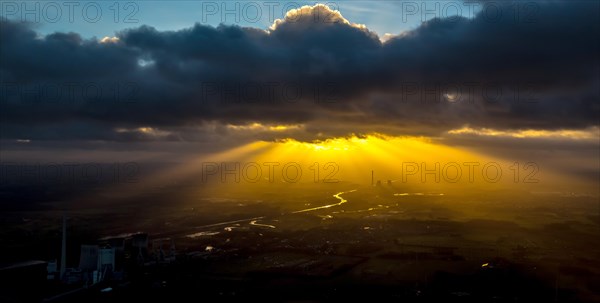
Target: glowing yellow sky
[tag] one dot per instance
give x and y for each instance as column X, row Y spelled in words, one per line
column 356, row 156
column 350, row 161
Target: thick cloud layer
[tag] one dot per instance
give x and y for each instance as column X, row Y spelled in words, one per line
column 314, row 68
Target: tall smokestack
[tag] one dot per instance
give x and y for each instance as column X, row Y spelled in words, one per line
column 372, row 178
column 63, row 254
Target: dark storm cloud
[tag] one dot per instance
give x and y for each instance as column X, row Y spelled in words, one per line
column 315, row 69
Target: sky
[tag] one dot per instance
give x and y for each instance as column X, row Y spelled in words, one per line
column 104, row 18
column 163, row 78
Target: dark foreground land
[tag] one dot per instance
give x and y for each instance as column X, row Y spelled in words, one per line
column 379, row 244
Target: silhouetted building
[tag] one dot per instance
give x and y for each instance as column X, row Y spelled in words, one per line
column 88, row 259
column 106, row 259
column 140, row 240
column 52, row 270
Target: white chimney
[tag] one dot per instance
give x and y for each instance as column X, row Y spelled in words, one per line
column 63, row 255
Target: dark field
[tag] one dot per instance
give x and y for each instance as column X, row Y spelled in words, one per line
column 298, row 242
